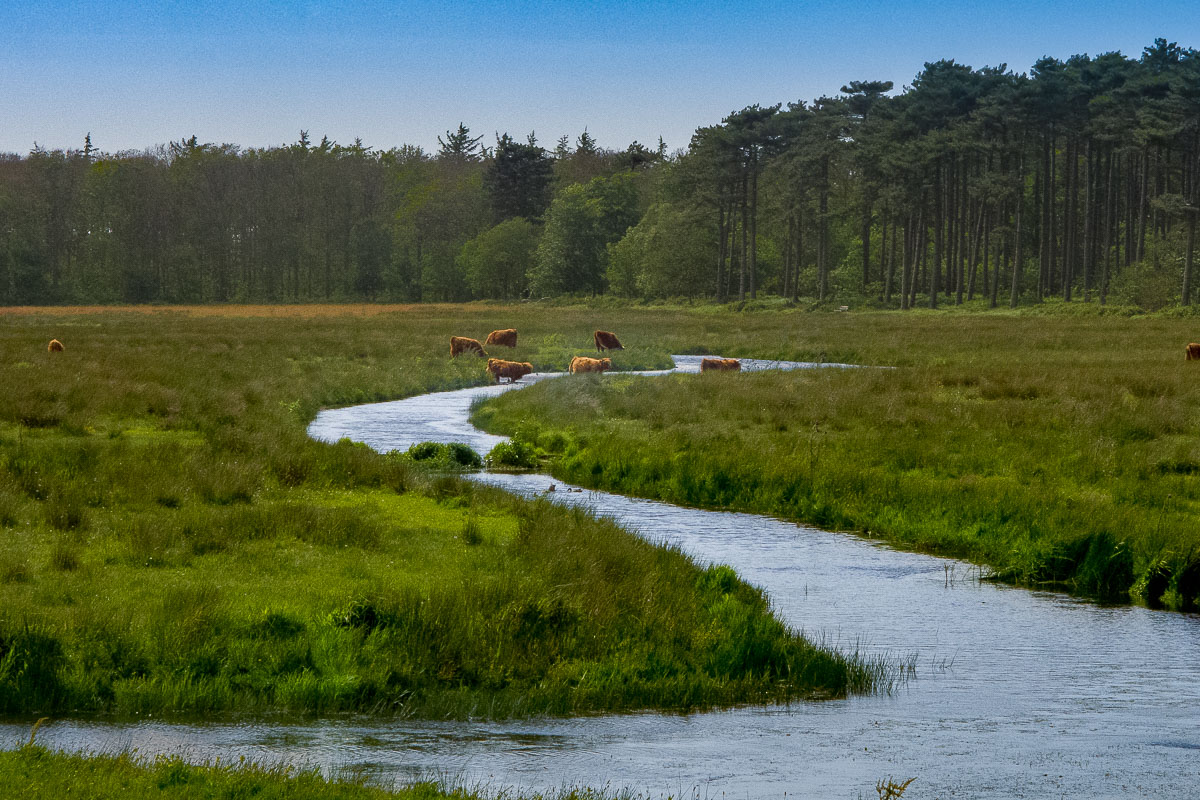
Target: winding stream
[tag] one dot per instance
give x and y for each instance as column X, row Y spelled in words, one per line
column 1017, row 693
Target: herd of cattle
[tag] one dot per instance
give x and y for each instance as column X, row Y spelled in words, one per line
column 605, row 340
column 515, row 370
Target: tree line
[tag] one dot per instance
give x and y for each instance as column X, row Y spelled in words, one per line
column 1077, row 180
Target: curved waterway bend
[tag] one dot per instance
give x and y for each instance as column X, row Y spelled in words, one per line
column 1017, row 693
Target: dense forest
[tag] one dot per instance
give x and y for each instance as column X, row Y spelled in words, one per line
column 1078, row 180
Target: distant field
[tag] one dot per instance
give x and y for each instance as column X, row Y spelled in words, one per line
column 308, row 311
column 172, row 542
column 1061, row 450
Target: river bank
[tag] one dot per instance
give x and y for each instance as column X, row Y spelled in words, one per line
column 1016, row 694
column 1059, row 453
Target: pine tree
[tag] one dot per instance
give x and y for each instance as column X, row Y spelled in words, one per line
column 460, row 145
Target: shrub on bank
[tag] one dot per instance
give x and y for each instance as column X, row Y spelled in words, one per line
column 447, row 456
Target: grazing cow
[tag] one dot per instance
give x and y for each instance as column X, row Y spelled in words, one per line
column 585, row 364
column 513, row 370
column 720, row 365
column 461, row 344
column 606, row 340
column 1193, row 352
column 56, row 346
column 504, row 338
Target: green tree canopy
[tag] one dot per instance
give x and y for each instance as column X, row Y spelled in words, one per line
column 518, row 180
column 581, row 222
column 496, row 261
column 460, row 145
column 667, row 254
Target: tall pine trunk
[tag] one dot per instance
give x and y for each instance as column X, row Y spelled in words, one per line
column 742, row 261
column 722, row 247
column 1187, row 260
column 754, row 226
column 1016, row 268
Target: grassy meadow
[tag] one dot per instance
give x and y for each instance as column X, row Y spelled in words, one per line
column 172, row 542
column 35, row 773
column 1058, row 446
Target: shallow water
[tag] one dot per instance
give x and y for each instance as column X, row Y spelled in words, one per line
column 1017, row 693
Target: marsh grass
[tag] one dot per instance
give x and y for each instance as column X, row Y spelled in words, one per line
column 1063, row 452
column 174, row 543
column 33, row 772
column 36, row 773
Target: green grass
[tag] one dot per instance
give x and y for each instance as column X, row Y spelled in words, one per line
column 1062, row 451
column 172, row 543
column 35, row 773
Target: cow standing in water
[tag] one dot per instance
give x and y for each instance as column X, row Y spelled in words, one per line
column 607, row 340
column 720, row 365
column 504, row 338
column 461, row 344
column 513, row 370
column 585, row 364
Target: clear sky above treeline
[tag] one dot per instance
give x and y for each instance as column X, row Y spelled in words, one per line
column 136, row 73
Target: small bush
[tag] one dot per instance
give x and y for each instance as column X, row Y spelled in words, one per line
column 463, row 455
column 452, row 456
column 513, row 455
column 425, row 451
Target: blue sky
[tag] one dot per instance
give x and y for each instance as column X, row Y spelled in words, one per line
column 136, row 74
